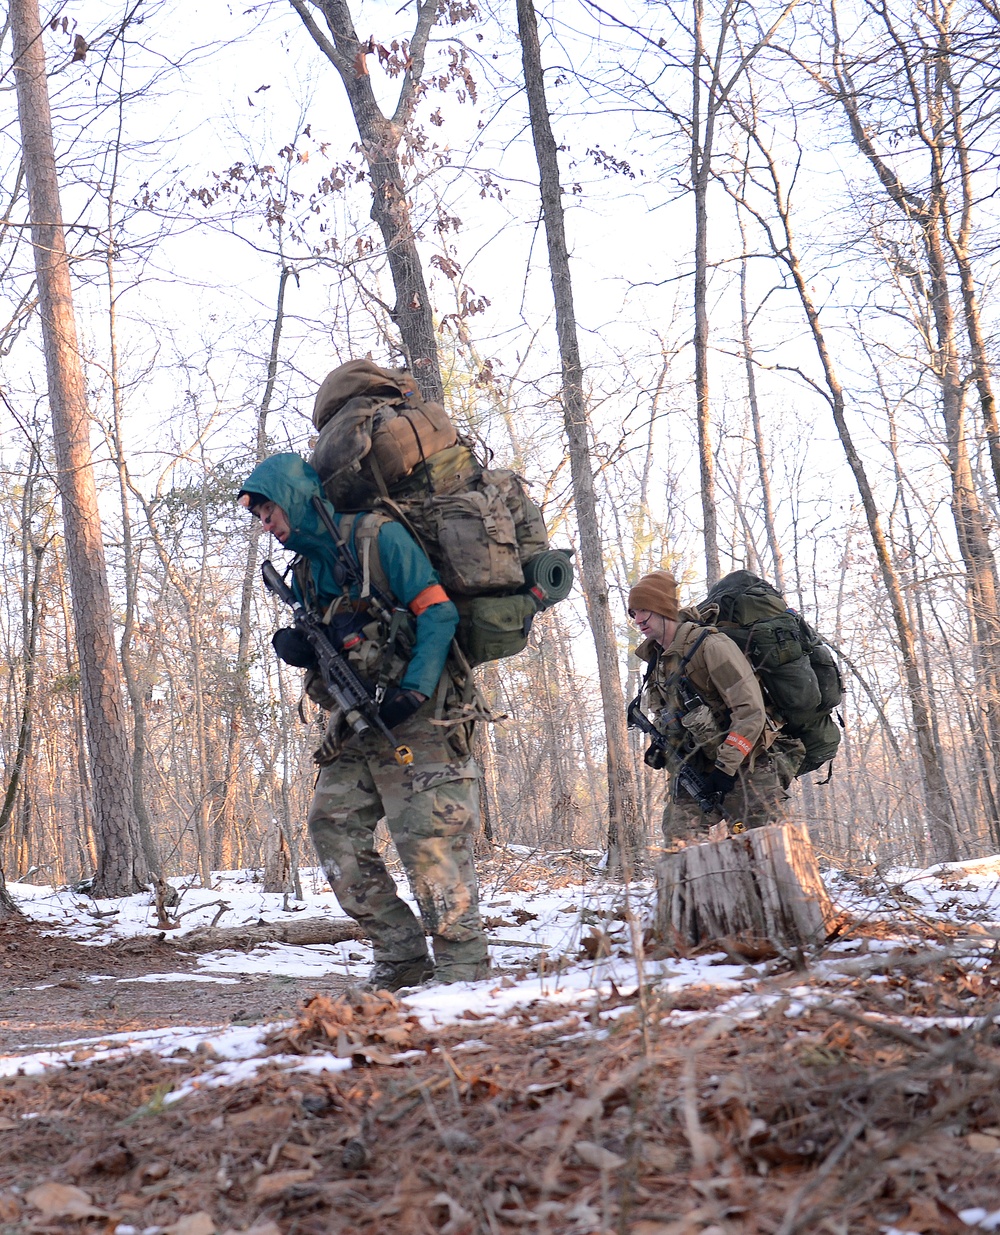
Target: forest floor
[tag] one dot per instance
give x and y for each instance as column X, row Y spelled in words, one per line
column 582, row 1089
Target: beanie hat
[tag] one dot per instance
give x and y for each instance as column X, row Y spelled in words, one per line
column 656, row 592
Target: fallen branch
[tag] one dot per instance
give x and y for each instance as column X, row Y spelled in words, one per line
column 311, row 931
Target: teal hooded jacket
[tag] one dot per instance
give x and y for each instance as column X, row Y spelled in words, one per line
column 289, row 482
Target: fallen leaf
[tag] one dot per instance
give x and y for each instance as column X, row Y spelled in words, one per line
column 301, row 1154
column 63, row 1201
column 200, row 1223
column 395, row 1035
column 10, row 1207
column 273, row 1185
column 982, row 1143
column 597, row 1155
column 264, row 1227
column 276, row 1117
column 659, row 1157
column 459, row 1219
column 8, row 1125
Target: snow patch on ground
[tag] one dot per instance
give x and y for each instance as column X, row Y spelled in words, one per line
column 535, row 946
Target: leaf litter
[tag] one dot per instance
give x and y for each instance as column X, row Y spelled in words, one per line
column 858, row 1094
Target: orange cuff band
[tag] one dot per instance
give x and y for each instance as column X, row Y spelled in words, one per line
column 740, row 742
column 433, row 595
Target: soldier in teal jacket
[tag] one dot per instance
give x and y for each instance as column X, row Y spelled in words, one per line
column 432, row 805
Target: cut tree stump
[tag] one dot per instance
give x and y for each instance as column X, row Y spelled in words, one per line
column 764, row 883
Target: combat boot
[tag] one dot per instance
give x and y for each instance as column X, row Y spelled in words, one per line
column 464, row 961
column 389, row 975
column 474, row 972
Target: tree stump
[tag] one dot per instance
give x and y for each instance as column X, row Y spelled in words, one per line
column 763, row 883
column 277, row 864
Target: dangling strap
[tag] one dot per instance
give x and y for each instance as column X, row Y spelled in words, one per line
column 643, row 684
column 366, row 568
column 365, row 531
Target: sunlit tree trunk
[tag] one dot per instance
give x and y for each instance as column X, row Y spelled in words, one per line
column 121, row 862
column 624, row 832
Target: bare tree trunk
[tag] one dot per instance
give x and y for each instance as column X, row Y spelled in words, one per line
column 923, row 76
column 380, row 138
column 130, row 567
column 121, row 863
column 758, row 435
column 624, row 832
column 237, row 708
column 701, row 164
column 8, row 907
column 940, row 815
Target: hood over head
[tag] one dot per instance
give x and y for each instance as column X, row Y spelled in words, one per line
column 289, row 481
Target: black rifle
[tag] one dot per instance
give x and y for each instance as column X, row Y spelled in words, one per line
column 663, row 753
column 351, row 695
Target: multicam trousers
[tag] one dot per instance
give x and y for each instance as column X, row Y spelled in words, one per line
column 758, row 797
column 432, row 810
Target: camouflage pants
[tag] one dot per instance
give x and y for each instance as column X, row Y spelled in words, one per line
column 432, row 810
column 758, row 797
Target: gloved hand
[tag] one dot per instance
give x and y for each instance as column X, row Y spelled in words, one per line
column 291, row 646
column 719, row 782
column 399, row 705
column 315, row 688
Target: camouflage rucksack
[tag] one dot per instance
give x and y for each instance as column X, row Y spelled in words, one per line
column 796, row 668
column 382, row 447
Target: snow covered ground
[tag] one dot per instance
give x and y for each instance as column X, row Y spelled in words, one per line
column 536, row 938
column 540, row 939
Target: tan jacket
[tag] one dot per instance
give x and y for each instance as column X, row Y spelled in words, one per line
column 734, row 723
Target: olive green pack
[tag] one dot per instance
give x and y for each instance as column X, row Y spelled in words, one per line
column 796, row 668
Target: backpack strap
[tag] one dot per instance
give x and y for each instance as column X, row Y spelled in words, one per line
column 679, row 673
column 364, row 533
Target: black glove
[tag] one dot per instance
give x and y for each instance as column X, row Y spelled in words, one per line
column 291, row 646
column 399, row 705
column 719, row 782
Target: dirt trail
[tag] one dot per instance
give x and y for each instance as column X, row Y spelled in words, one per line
column 48, row 992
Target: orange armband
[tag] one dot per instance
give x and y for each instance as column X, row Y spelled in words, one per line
column 740, row 742
column 433, row 595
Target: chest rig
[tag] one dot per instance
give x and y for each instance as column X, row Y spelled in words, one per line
column 374, row 634
column 684, row 718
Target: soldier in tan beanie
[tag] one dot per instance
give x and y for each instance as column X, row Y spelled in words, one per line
column 703, row 696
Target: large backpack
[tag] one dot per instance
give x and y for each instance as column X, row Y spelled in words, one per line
column 796, row 668
column 382, row 447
